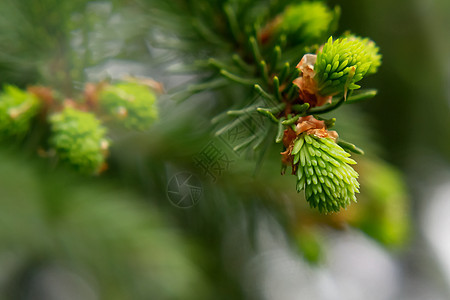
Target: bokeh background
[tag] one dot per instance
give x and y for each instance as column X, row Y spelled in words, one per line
column 246, row 234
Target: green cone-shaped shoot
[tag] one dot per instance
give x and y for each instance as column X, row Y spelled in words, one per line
column 343, row 62
column 324, row 171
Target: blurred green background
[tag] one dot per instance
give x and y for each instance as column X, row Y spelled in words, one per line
column 247, row 234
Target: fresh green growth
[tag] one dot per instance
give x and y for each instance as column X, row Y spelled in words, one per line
column 373, row 50
column 323, row 171
column 343, row 62
column 132, row 104
column 307, row 20
column 17, row 109
column 79, row 139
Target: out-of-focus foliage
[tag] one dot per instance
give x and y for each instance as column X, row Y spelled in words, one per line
column 132, row 104
column 384, row 209
column 53, row 42
column 34, row 37
column 17, row 109
column 79, row 139
column 119, row 246
column 306, row 21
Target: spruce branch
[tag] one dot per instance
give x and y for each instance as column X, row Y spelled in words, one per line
column 264, row 51
column 263, row 93
column 326, row 108
column 267, row 113
column 291, row 120
column 276, row 88
column 275, row 57
column 242, row 64
column 300, row 108
column 350, row 147
column 237, row 78
column 361, row 95
column 284, row 72
column 280, row 131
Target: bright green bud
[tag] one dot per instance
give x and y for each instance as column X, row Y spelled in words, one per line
column 79, row 139
column 132, row 104
column 324, row 172
column 17, row 109
column 307, row 20
column 343, row 62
